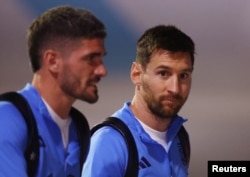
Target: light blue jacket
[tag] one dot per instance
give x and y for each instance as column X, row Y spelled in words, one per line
column 108, row 152
column 53, row 160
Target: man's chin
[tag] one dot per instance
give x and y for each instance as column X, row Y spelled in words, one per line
column 169, row 112
column 90, row 100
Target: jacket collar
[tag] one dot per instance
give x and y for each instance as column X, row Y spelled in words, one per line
column 128, row 117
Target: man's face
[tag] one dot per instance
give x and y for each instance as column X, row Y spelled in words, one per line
column 82, row 69
column 166, row 82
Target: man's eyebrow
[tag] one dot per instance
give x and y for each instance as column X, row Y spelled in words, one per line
column 189, row 69
column 162, row 67
column 97, row 54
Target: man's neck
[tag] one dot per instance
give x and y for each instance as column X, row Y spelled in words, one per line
column 53, row 95
column 141, row 112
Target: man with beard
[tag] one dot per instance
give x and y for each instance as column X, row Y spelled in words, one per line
column 66, row 50
column 161, row 74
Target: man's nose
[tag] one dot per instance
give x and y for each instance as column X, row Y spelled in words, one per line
column 174, row 84
column 101, row 70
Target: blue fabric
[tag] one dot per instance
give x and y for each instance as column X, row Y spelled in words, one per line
column 108, row 152
column 53, row 160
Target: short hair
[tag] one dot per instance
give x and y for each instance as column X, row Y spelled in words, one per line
column 60, row 25
column 163, row 37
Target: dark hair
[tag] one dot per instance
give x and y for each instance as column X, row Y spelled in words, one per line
column 60, row 25
column 163, row 37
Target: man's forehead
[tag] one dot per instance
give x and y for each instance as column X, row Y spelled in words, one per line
column 162, row 54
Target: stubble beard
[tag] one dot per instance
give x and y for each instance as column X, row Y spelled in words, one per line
column 70, row 84
column 157, row 107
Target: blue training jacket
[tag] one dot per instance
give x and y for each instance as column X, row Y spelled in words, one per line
column 53, row 160
column 108, row 152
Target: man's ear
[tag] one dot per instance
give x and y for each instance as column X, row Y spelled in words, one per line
column 136, row 73
column 52, row 60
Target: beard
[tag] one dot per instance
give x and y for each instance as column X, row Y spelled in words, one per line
column 157, row 106
column 72, row 86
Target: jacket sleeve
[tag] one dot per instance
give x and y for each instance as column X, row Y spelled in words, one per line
column 13, row 133
column 107, row 156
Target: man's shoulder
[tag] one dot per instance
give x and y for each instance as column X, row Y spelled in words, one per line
column 8, row 111
column 12, row 124
column 124, row 113
column 31, row 94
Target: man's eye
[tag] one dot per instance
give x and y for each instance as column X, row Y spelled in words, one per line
column 164, row 73
column 184, row 75
column 90, row 57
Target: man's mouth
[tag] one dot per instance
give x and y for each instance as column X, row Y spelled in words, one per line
column 171, row 99
column 167, row 101
column 93, row 85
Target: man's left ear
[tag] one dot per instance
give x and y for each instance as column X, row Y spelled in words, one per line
column 51, row 58
column 136, row 73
